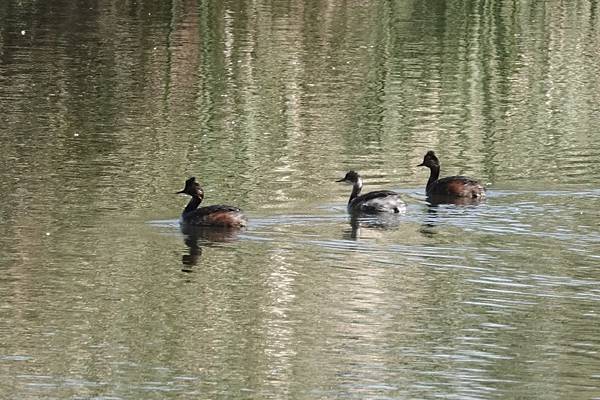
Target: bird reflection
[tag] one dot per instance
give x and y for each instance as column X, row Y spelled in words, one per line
column 371, row 222
column 431, row 222
column 435, row 200
column 195, row 237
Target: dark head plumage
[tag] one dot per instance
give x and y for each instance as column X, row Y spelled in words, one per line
column 430, row 160
column 191, row 187
column 350, row 177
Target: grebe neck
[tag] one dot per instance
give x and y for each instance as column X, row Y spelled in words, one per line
column 356, row 188
column 433, row 176
column 192, row 204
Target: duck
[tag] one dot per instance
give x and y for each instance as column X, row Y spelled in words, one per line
column 220, row 215
column 379, row 201
column 451, row 186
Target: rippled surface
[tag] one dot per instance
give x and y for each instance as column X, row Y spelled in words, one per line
column 106, row 108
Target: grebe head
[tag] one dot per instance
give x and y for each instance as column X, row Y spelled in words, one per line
column 430, row 160
column 192, row 188
column 351, row 177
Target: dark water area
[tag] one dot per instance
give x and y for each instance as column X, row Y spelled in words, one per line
column 107, row 107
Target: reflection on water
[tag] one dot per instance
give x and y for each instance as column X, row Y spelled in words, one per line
column 359, row 223
column 436, row 200
column 195, row 237
column 435, row 203
column 105, row 105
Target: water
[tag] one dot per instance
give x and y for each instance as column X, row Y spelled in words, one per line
column 106, row 108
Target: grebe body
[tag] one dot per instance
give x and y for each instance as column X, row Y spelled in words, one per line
column 373, row 202
column 216, row 215
column 452, row 186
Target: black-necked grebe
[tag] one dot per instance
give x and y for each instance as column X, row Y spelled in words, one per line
column 452, row 186
column 372, row 202
column 217, row 215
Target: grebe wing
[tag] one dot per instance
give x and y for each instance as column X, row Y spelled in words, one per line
column 458, row 186
column 218, row 208
column 378, row 201
column 463, row 179
column 204, row 211
column 378, row 194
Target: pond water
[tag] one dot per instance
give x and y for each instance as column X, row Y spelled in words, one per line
column 107, row 107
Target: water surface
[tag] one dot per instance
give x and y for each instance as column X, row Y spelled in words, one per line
column 106, row 109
